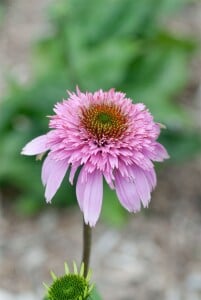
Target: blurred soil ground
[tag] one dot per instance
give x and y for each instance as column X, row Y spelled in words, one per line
column 156, row 255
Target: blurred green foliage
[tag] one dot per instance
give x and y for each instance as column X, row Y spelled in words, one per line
column 97, row 44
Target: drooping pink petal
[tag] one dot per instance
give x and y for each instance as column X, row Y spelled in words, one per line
column 46, row 169
column 36, row 146
column 80, row 188
column 127, row 193
column 89, row 195
column 142, row 185
column 72, row 172
column 151, row 178
column 142, row 160
column 109, row 179
column 158, row 153
column 53, row 176
column 161, row 152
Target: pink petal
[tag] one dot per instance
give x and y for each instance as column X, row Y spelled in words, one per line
column 142, row 160
column 72, row 172
column 161, row 152
column 142, row 185
column 53, row 174
column 80, row 188
column 158, row 154
column 127, row 193
column 36, row 146
column 89, row 194
column 46, row 169
column 151, row 178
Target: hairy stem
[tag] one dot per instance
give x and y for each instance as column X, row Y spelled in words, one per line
column 86, row 247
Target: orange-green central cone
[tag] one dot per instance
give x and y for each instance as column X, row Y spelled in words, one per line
column 104, row 121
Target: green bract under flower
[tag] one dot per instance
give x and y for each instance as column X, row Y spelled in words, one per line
column 71, row 286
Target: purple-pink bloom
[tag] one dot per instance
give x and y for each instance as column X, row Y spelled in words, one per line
column 103, row 135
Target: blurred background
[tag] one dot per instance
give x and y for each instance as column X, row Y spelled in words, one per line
column 150, row 49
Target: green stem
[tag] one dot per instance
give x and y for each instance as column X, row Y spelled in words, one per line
column 86, row 247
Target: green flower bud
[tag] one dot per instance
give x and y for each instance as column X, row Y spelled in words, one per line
column 71, row 286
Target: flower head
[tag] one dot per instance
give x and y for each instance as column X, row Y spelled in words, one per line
column 71, row 286
column 103, row 135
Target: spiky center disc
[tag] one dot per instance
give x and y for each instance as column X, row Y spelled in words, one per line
column 104, row 121
column 68, row 287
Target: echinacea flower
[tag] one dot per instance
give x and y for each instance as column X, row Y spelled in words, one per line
column 101, row 135
column 71, row 286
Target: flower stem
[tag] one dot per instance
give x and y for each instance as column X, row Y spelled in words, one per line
column 86, row 247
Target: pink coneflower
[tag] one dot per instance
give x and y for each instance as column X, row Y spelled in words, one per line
column 103, row 135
